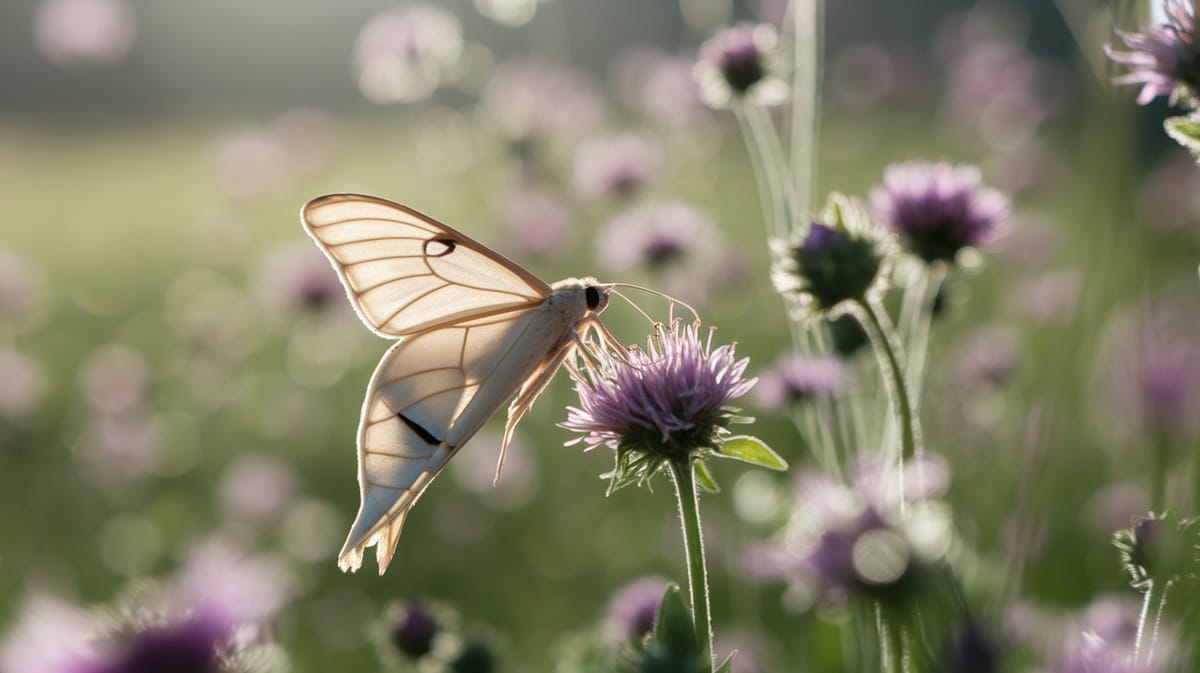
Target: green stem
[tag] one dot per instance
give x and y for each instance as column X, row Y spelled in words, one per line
column 1153, row 604
column 888, row 351
column 890, row 657
column 693, row 547
column 806, row 98
column 1163, row 451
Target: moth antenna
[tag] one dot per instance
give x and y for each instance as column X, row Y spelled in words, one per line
column 630, row 302
column 672, row 301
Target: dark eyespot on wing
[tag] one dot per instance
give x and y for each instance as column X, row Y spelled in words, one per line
column 425, row 435
column 439, row 247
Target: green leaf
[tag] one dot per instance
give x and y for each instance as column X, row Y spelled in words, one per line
column 674, row 628
column 727, row 665
column 704, row 477
column 751, row 450
column 1186, row 132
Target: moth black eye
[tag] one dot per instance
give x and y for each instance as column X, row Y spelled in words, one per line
column 593, row 298
column 439, row 247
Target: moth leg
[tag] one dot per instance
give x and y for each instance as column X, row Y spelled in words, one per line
column 530, row 389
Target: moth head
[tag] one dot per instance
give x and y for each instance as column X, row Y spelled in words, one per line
column 595, row 293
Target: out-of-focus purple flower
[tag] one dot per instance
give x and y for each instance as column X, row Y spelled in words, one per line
column 257, row 488
column 72, row 33
column 296, row 278
column 849, row 540
column 1049, row 297
column 938, row 209
column 618, row 166
column 23, row 384
column 404, row 54
column 252, row 160
column 119, row 448
column 796, row 378
column 22, row 288
column 49, row 636
column 1150, row 364
column 115, row 379
column 656, row 236
column 861, row 75
column 996, row 90
column 1114, row 506
column 631, row 611
column 229, row 586
column 663, row 88
column 412, row 628
column 526, row 99
column 196, row 625
column 739, row 64
column 537, row 222
column 1166, row 60
column 988, row 358
column 248, row 162
column 839, row 258
column 665, row 401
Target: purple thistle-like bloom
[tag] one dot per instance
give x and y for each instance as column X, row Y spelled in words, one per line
column 738, row 63
column 938, row 209
column 666, row 401
column 796, row 378
column 632, row 609
column 1165, row 60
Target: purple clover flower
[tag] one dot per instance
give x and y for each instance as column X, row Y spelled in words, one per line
column 1165, row 60
column 659, row 404
column 938, row 209
column 738, row 63
column 796, row 378
column 616, row 167
column 632, row 609
column 655, row 236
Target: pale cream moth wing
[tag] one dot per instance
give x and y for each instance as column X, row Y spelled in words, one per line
column 433, row 391
column 406, row 272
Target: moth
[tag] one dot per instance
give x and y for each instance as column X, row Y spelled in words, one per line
column 474, row 330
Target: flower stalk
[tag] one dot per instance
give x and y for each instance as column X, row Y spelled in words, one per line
column 888, row 351
column 683, row 476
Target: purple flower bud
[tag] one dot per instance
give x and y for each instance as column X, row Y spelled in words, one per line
column 616, row 167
